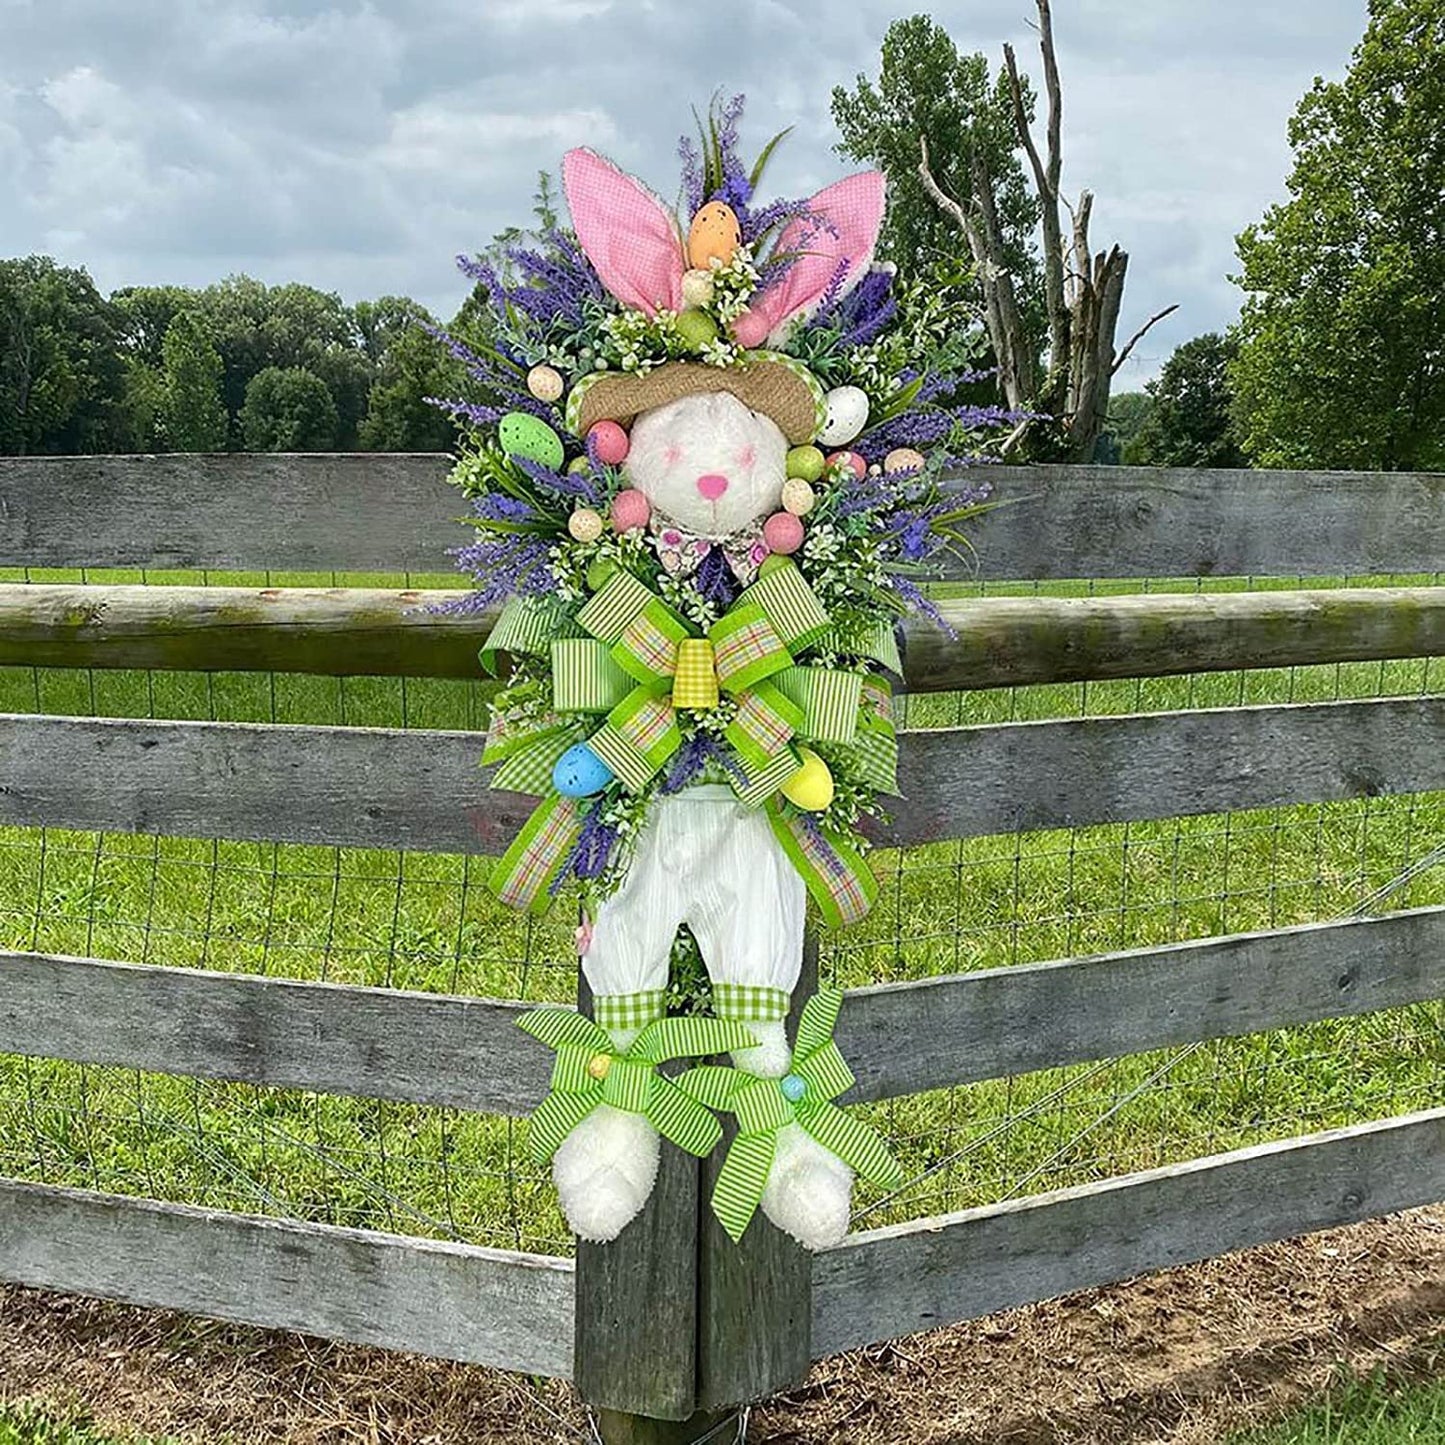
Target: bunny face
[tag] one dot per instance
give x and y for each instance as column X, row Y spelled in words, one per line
column 709, row 463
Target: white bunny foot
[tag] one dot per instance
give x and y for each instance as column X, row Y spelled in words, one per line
column 809, row 1190
column 604, row 1171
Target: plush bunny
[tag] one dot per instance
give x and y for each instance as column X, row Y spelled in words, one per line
column 708, row 450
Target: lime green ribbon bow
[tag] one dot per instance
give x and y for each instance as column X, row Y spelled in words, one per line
column 804, row 1097
column 590, row 1071
column 628, row 667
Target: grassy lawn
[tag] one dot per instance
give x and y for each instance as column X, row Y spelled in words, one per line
column 26, row 1425
column 422, row 921
column 1362, row 1412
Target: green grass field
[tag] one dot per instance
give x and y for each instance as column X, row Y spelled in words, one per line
column 426, row 922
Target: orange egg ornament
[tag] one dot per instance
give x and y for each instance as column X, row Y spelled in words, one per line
column 715, row 235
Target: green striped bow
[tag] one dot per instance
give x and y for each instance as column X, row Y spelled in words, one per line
column 590, row 1071
column 627, row 667
column 804, row 1097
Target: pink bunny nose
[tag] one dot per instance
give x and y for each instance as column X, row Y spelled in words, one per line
column 712, row 485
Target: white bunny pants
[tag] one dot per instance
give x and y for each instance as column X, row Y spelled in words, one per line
column 705, row 860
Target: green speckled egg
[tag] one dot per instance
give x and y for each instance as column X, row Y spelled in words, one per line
column 524, row 435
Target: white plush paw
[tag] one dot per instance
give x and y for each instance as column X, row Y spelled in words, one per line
column 770, row 1058
column 604, row 1172
column 809, row 1190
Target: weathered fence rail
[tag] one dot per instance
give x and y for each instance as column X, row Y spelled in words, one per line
column 673, row 1320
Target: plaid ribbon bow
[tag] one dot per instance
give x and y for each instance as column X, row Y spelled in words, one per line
column 641, row 662
column 803, row 1096
column 590, row 1071
column 630, row 656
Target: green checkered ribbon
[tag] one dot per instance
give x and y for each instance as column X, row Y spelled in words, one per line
column 590, row 1071
column 804, row 1097
column 750, row 1003
column 875, row 748
column 629, row 1010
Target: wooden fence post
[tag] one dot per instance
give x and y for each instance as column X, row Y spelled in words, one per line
column 755, row 1298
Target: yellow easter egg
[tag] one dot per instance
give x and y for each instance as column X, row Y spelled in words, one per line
column 715, row 235
column 811, row 787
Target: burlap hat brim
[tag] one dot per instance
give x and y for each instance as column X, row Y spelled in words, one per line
column 778, row 386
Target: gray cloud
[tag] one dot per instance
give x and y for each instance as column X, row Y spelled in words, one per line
column 357, row 146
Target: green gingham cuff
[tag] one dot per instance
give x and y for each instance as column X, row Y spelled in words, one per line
column 750, row 1003
column 628, row 1010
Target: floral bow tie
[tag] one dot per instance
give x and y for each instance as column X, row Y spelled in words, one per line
column 681, row 552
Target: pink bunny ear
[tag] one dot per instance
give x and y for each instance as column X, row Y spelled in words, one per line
column 853, row 208
column 627, row 233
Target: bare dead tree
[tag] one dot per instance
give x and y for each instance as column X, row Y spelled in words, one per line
column 1083, row 290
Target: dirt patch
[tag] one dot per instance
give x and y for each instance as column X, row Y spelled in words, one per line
column 1179, row 1357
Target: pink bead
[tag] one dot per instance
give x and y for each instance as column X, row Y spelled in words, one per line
column 609, row 442
column 630, row 510
column 858, row 465
column 783, row 533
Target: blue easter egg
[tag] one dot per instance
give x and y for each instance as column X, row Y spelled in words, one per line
column 580, row 772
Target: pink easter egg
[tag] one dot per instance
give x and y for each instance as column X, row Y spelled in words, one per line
column 630, row 510
column 609, row 442
column 858, row 466
column 783, row 533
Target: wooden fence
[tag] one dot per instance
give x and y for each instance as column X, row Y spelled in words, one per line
column 672, row 1322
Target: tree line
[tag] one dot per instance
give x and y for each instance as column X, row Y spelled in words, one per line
column 1337, row 359
column 238, row 365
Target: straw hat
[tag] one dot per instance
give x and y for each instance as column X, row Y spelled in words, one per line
column 778, row 386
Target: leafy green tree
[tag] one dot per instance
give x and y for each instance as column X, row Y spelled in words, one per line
column 288, row 409
column 926, row 88
column 1128, row 411
column 191, row 414
column 143, row 313
column 1190, row 422
column 1342, row 337
column 62, row 381
column 410, row 366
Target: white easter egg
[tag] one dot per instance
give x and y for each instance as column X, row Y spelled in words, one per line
column 697, row 288
column 847, row 415
column 798, row 497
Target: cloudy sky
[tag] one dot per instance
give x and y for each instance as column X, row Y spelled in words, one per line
column 357, row 147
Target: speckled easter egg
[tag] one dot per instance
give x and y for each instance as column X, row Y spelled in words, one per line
column 696, row 328
column 524, row 435
column 584, row 525
column 630, row 509
column 580, row 772
column 697, row 288
column 851, row 460
column 715, row 235
column 783, row 533
column 799, row 498
column 805, row 462
column 579, row 465
column 609, row 442
column 545, row 383
column 903, row 459
column 811, row 787
column 847, row 415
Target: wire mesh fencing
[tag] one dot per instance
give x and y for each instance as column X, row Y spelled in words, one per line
column 426, row 922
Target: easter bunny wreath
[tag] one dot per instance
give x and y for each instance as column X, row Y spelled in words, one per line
column 706, row 488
